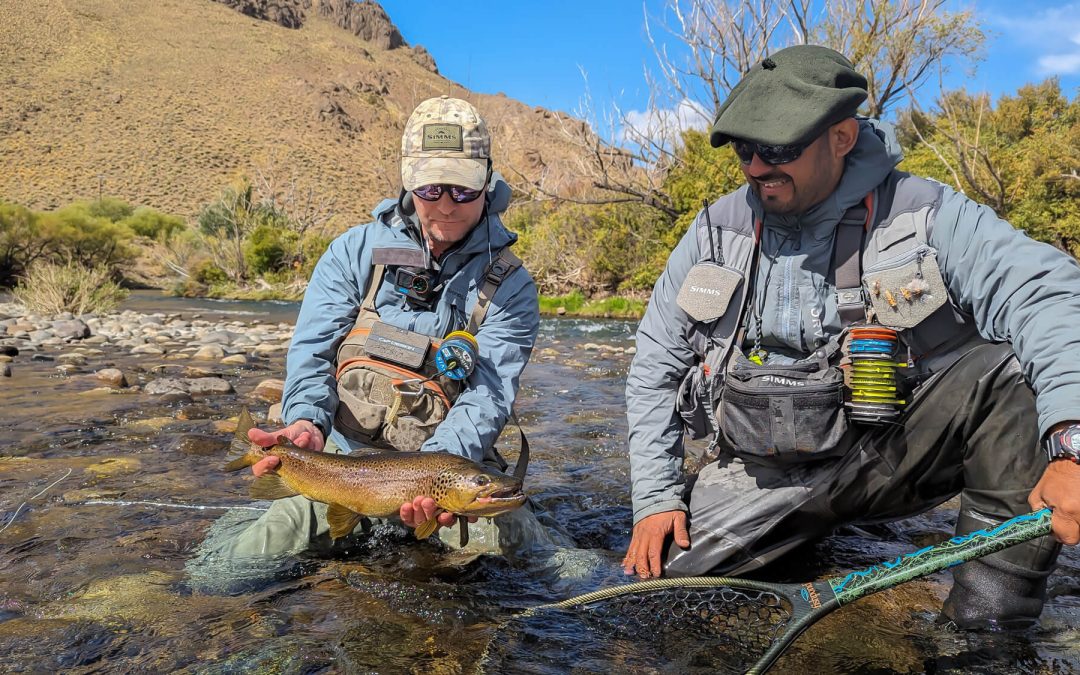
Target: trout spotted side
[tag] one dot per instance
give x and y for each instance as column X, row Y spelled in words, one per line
column 376, row 485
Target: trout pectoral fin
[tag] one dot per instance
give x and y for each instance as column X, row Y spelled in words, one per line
column 342, row 521
column 271, row 486
column 424, row 530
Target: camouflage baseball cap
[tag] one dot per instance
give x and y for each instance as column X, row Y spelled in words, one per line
column 445, row 141
column 791, row 97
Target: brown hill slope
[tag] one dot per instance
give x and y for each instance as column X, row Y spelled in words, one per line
column 162, row 102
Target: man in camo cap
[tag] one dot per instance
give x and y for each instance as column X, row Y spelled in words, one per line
column 746, row 333
column 435, row 252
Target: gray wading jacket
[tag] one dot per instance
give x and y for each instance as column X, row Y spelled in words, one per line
column 337, row 289
column 1001, row 287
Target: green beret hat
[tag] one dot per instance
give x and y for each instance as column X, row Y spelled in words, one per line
column 790, row 97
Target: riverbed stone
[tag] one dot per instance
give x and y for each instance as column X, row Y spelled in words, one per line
column 198, row 445
column 196, row 371
column 269, row 390
column 9, row 350
column 73, row 329
column 235, row 360
column 166, row 385
column 5, row 370
column 114, row 377
column 5, row 359
column 209, row 352
column 207, row 386
column 41, row 357
column 72, row 358
column 147, row 349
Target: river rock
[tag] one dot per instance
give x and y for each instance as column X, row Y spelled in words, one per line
column 269, row 390
column 5, row 370
column 41, row 357
column 72, row 359
column 195, row 371
column 74, row 329
column 209, row 352
column 166, row 385
column 195, row 411
column 148, row 349
column 199, row 445
column 219, row 337
column 5, row 359
column 266, row 349
column 114, row 377
column 206, row 386
column 273, row 416
column 9, row 350
column 235, row 360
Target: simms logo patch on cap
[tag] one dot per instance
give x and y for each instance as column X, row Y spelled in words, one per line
column 442, row 137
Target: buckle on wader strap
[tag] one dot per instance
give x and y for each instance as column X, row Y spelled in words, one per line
column 847, row 261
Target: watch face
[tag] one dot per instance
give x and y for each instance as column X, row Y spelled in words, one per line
column 1070, row 439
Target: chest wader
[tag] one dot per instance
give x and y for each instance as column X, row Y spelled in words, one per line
column 388, row 405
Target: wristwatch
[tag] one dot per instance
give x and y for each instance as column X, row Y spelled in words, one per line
column 1064, row 444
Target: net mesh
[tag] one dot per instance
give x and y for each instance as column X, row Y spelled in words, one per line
column 710, row 629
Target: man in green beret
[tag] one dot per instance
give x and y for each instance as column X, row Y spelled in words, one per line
column 858, row 345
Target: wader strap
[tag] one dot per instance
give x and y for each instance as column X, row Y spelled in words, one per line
column 373, row 288
column 847, row 261
column 501, row 267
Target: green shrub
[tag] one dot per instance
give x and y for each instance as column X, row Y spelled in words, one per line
column 110, row 208
column 265, row 249
column 147, row 222
column 208, row 273
column 49, row 289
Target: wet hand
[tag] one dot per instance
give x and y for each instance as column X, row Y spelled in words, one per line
column 1059, row 490
column 422, row 509
column 648, row 540
column 303, row 434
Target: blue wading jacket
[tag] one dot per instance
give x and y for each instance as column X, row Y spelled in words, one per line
column 337, row 290
column 1009, row 287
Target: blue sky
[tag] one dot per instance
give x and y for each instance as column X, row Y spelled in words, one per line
column 536, row 51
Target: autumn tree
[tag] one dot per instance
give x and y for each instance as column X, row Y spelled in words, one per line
column 1021, row 156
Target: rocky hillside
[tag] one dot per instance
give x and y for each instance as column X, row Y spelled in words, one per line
column 163, row 102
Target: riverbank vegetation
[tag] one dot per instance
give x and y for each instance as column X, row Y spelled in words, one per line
column 595, row 245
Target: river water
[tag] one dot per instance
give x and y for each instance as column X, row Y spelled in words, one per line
column 105, row 496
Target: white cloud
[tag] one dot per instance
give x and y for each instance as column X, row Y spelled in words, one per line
column 1060, row 64
column 1054, row 31
column 665, row 122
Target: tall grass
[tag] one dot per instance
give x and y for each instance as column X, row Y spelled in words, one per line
column 50, row 289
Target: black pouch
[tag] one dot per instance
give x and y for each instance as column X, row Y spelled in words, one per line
column 791, row 413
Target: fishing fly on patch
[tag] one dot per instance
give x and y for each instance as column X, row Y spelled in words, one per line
column 713, row 624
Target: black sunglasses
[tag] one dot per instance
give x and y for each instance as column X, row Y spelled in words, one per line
column 458, row 195
column 770, row 154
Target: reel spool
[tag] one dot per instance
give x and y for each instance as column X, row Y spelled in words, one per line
column 456, row 356
column 874, row 385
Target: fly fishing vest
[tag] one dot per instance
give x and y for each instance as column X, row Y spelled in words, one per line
column 399, row 403
column 879, row 248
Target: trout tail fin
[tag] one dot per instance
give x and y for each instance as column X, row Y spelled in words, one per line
column 243, row 451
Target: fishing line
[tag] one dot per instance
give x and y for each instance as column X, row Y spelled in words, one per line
column 47, row 488
column 194, row 507
column 874, row 384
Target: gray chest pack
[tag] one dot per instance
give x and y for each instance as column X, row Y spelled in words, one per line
column 885, row 274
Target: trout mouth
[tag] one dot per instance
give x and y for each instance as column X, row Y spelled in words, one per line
column 497, row 501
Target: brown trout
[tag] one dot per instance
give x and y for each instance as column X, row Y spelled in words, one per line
column 376, row 485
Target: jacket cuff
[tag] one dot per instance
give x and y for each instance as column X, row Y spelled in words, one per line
column 317, row 415
column 660, row 507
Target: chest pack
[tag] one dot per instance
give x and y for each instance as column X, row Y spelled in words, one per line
column 394, row 387
column 884, row 272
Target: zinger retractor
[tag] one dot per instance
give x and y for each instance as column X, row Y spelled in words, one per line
column 874, row 385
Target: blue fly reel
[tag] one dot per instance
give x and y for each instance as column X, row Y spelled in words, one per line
column 456, row 356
